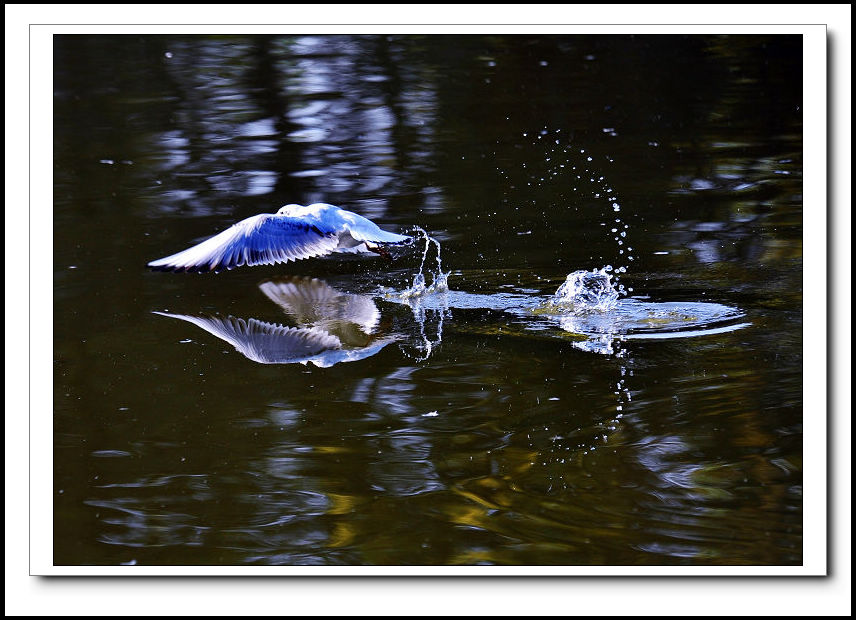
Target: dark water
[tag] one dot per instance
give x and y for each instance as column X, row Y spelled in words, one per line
column 464, row 428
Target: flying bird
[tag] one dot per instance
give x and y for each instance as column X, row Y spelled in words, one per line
column 293, row 233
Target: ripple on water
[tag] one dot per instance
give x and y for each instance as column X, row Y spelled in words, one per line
column 587, row 305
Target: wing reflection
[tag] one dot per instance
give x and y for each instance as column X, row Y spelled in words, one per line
column 309, row 301
column 333, row 327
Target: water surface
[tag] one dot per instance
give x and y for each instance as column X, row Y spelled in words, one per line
column 471, row 426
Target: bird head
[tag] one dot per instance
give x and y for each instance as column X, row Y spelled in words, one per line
column 290, row 210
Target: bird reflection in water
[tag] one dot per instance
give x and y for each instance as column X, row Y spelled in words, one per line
column 333, row 327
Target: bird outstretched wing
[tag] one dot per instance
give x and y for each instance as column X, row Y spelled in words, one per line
column 259, row 240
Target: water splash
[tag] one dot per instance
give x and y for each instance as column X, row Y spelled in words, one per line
column 419, row 291
column 439, row 279
column 590, row 305
column 575, row 178
column 587, row 291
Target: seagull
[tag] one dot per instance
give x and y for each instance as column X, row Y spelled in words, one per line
column 293, row 233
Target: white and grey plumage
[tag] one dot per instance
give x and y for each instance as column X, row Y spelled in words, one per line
column 294, row 232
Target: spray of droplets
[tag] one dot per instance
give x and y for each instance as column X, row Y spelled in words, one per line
column 439, row 278
column 418, row 291
column 580, row 178
column 587, row 290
